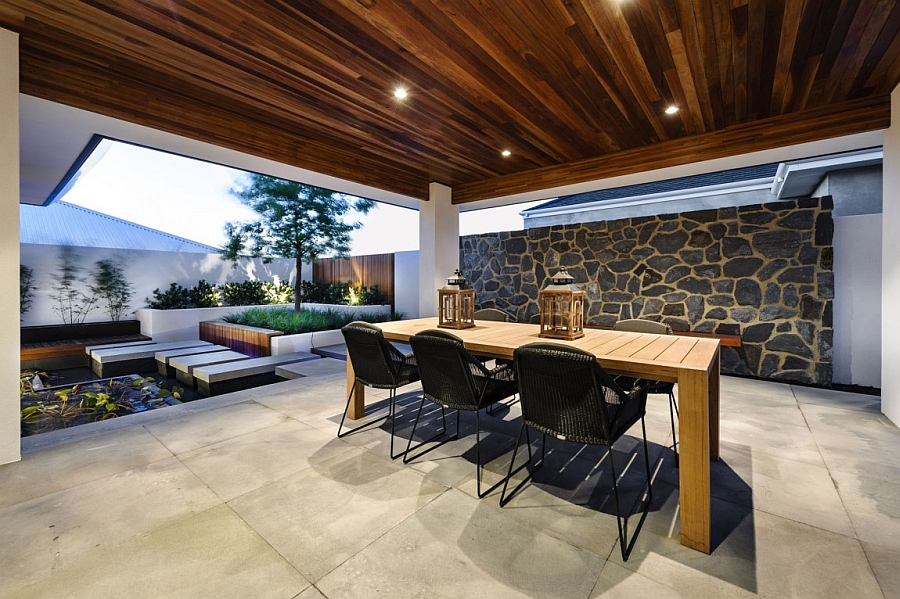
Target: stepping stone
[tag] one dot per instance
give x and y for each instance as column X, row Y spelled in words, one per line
column 216, row 379
column 339, row 350
column 163, row 357
column 89, row 348
column 312, row 368
column 115, row 361
column 184, row 365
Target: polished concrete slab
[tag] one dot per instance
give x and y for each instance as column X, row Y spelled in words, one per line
column 251, row 494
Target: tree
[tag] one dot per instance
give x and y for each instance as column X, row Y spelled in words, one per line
column 295, row 221
column 69, row 301
column 112, row 288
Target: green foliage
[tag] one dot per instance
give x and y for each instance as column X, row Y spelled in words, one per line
column 256, row 293
column 26, row 288
column 69, row 300
column 174, row 298
column 208, row 295
column 204, row 295
column 295, row 221
column 291, row 322
column 111, row 288
column 320, row 292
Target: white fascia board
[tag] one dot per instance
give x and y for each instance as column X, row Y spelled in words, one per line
column 656, row 198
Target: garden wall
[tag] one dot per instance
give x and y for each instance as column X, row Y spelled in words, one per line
column 146, row 270
column 762, row 271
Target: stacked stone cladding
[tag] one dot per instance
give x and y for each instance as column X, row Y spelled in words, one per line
column 763, row 272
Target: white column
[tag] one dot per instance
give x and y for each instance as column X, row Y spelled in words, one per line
column 9, row 246
column 438, row 245
column 890, row 267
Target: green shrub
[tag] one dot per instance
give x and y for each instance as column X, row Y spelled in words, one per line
column 173, row 298
column 304, row 321
column 256, row 293
column 347, row 294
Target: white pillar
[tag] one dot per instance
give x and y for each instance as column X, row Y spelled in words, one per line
column 890, row 267
column 438, row 245
column 9, row 246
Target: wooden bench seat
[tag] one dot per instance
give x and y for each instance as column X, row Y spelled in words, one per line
column 216, row 379
column 68, row 352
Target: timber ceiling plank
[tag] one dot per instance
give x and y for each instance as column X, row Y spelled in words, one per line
column 575, row 88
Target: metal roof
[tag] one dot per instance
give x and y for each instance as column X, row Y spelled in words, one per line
column 750, row 173
column 61, row 223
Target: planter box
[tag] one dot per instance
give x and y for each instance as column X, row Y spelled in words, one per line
column 250, row 341
column 305, row 342
column 184, row 325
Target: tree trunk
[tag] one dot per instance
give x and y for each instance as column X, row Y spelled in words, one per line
column 297, row 286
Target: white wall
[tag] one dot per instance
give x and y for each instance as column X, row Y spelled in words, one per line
column 9, row 244
column 890, row 267
column 406, row 283
column 857, row 300
column 146, row 270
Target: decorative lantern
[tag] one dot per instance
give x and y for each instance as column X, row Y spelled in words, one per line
column 456, row 304
column 562, row 308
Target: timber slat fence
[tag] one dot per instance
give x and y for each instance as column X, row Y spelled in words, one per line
column 375, row 269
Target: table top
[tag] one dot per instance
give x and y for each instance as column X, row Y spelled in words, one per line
column 660, row 357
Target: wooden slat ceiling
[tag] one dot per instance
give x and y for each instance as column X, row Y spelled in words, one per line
column 576, row 89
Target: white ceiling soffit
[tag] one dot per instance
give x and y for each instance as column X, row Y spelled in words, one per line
column 53, row 136
column 800, row 178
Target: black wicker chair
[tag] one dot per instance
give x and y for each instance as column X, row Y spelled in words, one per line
column 491, row 314
column 378, row 364
column 453, row 378
column 564, row 392
column 639, row 325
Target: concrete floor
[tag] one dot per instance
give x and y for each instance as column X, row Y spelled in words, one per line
column 252, row 495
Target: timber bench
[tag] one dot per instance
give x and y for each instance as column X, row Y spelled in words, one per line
column 69, row 353
column 216, row 379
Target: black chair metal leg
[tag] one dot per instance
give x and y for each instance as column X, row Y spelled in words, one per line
column 412, row 434
column 367, row 424
column 673, row 412
column 504, row 498
column 625, row 546
column 479, row 468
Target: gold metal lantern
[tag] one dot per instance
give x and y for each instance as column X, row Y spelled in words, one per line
column 456, row 303
column 562, row 308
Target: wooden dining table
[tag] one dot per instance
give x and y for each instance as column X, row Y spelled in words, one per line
column 691, row 362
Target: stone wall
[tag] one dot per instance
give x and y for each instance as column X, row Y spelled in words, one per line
column 762, row 271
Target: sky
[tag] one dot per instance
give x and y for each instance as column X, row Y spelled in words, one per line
column 191, row 199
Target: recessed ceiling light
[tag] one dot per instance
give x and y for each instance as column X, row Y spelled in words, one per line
column 671, row 109
column 505, row 153
column 400, row 93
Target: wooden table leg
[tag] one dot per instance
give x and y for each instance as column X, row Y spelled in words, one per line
column 357, row 408
column 694, row 413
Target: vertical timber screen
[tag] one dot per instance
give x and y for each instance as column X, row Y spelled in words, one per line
column 376, row 269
